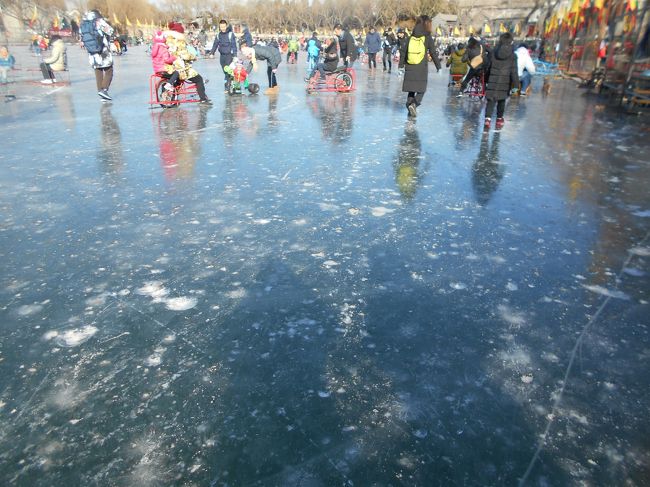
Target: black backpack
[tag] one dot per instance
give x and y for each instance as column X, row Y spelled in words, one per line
column 93, row 41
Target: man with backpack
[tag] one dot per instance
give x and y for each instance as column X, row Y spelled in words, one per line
column 414, row 58
column 95, row 37
column 226, row 43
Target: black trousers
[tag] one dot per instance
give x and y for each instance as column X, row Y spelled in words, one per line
column 225, row 60
column 489, row 108
column 387, row 58
column 172, row 78
column 468, row 77
column 272, row 79
column 47, row 71
column 200, row 86
column 372, row 60
column 414, row 97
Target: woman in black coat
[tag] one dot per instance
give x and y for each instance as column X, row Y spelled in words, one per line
column 501, row 79
column 416, row 75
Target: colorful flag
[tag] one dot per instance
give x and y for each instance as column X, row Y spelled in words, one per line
column 502, row 28
column 127, row 21
column 34, row 17
column 487, row 29
column 116, row 21
column 456, row 31
column 137, row 23
column 471, row 30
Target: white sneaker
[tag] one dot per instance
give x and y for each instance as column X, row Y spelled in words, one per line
column 47, row 81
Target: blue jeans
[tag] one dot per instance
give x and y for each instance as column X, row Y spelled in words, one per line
column 525, row 80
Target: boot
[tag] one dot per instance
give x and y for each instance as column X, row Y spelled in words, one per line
column 500, row 123
column 412, row 108
column 488, row 122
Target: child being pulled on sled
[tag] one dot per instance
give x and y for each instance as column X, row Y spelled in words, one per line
column 238, row 74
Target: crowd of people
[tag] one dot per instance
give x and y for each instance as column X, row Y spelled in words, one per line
column 503, row 68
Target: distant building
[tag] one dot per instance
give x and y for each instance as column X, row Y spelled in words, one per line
column 446, row 22
column 478, row 13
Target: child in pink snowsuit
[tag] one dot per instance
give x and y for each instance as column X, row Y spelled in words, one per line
column 161, row 58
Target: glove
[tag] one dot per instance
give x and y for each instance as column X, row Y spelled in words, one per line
column 275, row 70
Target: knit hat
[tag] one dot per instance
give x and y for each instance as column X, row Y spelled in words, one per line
column 176, row 27
column 158, row 37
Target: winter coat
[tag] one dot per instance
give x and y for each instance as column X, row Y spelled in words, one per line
column 476, row 49
column 314, row 47
column 401, row 42
column 502, row 75
column 269, row 54
column 524, row 61
column 247, row 37
column 456, row 63
column 416, row 75
column 57, row 61
column 388, row 42
column 183, row 58
column 105, row 58
column 225, row 42
column 347, row 46
column 8, row 62
column 373, row 43
column 331, row 56
column 160, row 56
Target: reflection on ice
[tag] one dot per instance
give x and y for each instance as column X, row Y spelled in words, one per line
column 313, row 289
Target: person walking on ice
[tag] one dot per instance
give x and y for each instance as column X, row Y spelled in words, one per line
column 414, row 59
column 95, row 37
column 502, row 78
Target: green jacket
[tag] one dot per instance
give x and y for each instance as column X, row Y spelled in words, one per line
column 457, row 66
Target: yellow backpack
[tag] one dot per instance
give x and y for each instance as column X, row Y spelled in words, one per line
column 416, row 50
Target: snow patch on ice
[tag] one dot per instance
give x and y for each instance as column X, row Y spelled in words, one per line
column 153, row 289
column 640, row 251
column 510, row 316
column 29, row 309
column 612, row 293
column 155, row 358
column 379, row 211
column 634, row 272
column 511, row 286
column 238, row 293
column 642, row 214
column 181, row 303
column 72, row 338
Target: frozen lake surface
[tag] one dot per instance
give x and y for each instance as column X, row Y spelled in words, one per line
column 314, row 291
